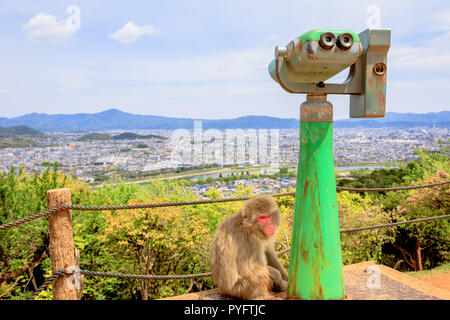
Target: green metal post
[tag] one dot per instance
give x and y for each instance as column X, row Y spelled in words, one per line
column 315, row 270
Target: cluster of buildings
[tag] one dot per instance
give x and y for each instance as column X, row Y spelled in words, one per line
column 259, row 186
column 384, row 144
column 85, row 159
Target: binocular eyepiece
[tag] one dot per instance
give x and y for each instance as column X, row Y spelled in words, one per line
column 328, row 40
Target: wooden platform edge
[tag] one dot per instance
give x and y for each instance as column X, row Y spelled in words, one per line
column 414, row 283
column 395, row 275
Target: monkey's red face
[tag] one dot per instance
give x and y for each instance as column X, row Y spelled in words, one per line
column 267, row 221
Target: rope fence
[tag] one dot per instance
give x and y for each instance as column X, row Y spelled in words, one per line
column 205, row 201
column 62, row 272
column 59, row 273
column 396, row 223
column 393, row 188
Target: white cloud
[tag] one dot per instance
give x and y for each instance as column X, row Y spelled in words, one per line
column 275, row 37
column 441, row 20
column 419, row 58
column 131, row 32
column 238, row 65
column 45, row 27
column 59, row 91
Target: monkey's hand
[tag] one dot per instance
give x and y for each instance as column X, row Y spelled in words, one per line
column 273, row 261
column 278, row 283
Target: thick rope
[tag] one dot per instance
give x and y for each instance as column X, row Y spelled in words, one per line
column 396, row 223
column 392, row 189
column 29, row 218
column 61, row 272
column 165, row 204
column 144, row 276
column 46, row 283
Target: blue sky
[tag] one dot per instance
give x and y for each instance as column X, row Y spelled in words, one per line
column 201, row 59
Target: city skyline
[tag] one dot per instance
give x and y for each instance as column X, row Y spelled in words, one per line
column 88, row 156
column 199, row 59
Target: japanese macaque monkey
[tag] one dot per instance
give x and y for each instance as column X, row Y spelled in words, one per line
column 242, row 257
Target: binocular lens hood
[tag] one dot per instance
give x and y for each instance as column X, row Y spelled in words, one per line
column 327, row 40
column 345, row 41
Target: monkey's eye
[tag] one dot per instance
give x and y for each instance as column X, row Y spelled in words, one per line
column 265, row 218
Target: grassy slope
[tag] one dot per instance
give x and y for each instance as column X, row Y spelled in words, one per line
column 444, row 268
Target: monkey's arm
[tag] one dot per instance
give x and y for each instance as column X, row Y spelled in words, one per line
column 278, row 284
column 272, row 260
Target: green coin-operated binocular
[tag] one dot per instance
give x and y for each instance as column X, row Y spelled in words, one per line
column 315, row 269
column 316, row 56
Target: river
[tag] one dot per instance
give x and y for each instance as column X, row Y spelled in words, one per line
column 216, row 175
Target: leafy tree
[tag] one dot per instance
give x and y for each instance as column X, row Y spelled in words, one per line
column 427, row 243
column 354, row 212
column 156, row 241
column 23, row 248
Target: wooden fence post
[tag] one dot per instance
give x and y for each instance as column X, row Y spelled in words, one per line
column 61, row 241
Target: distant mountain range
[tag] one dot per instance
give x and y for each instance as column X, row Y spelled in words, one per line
column 113, row 119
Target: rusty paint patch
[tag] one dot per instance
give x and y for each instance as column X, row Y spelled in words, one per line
column 316, row 114
column 374, row 115
column 321, row 293
column 299, row 45
column 310, row 51
column 292, row 287
column 370, row 82
column 305, row 255
column 360, row 49
column 317, row 224
column 317, row 183
column 306, row 187
column 317, row 254
column 312, row 57
column 380, row 85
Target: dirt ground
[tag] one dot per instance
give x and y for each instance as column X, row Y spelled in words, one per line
column 438, row 278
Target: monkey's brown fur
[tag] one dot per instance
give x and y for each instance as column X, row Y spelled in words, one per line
column 242, row 257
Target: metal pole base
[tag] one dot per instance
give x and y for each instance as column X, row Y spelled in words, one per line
column 315, row 270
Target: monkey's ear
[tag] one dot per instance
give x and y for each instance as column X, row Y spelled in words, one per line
column 245, row 212
column 277, row 216
column 247, row 217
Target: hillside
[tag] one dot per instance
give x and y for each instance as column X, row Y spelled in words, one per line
column 95, row 136
column 133, row 136
column 20, row 130
column 15, row 144
column 114, row 119
column 122, row 136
